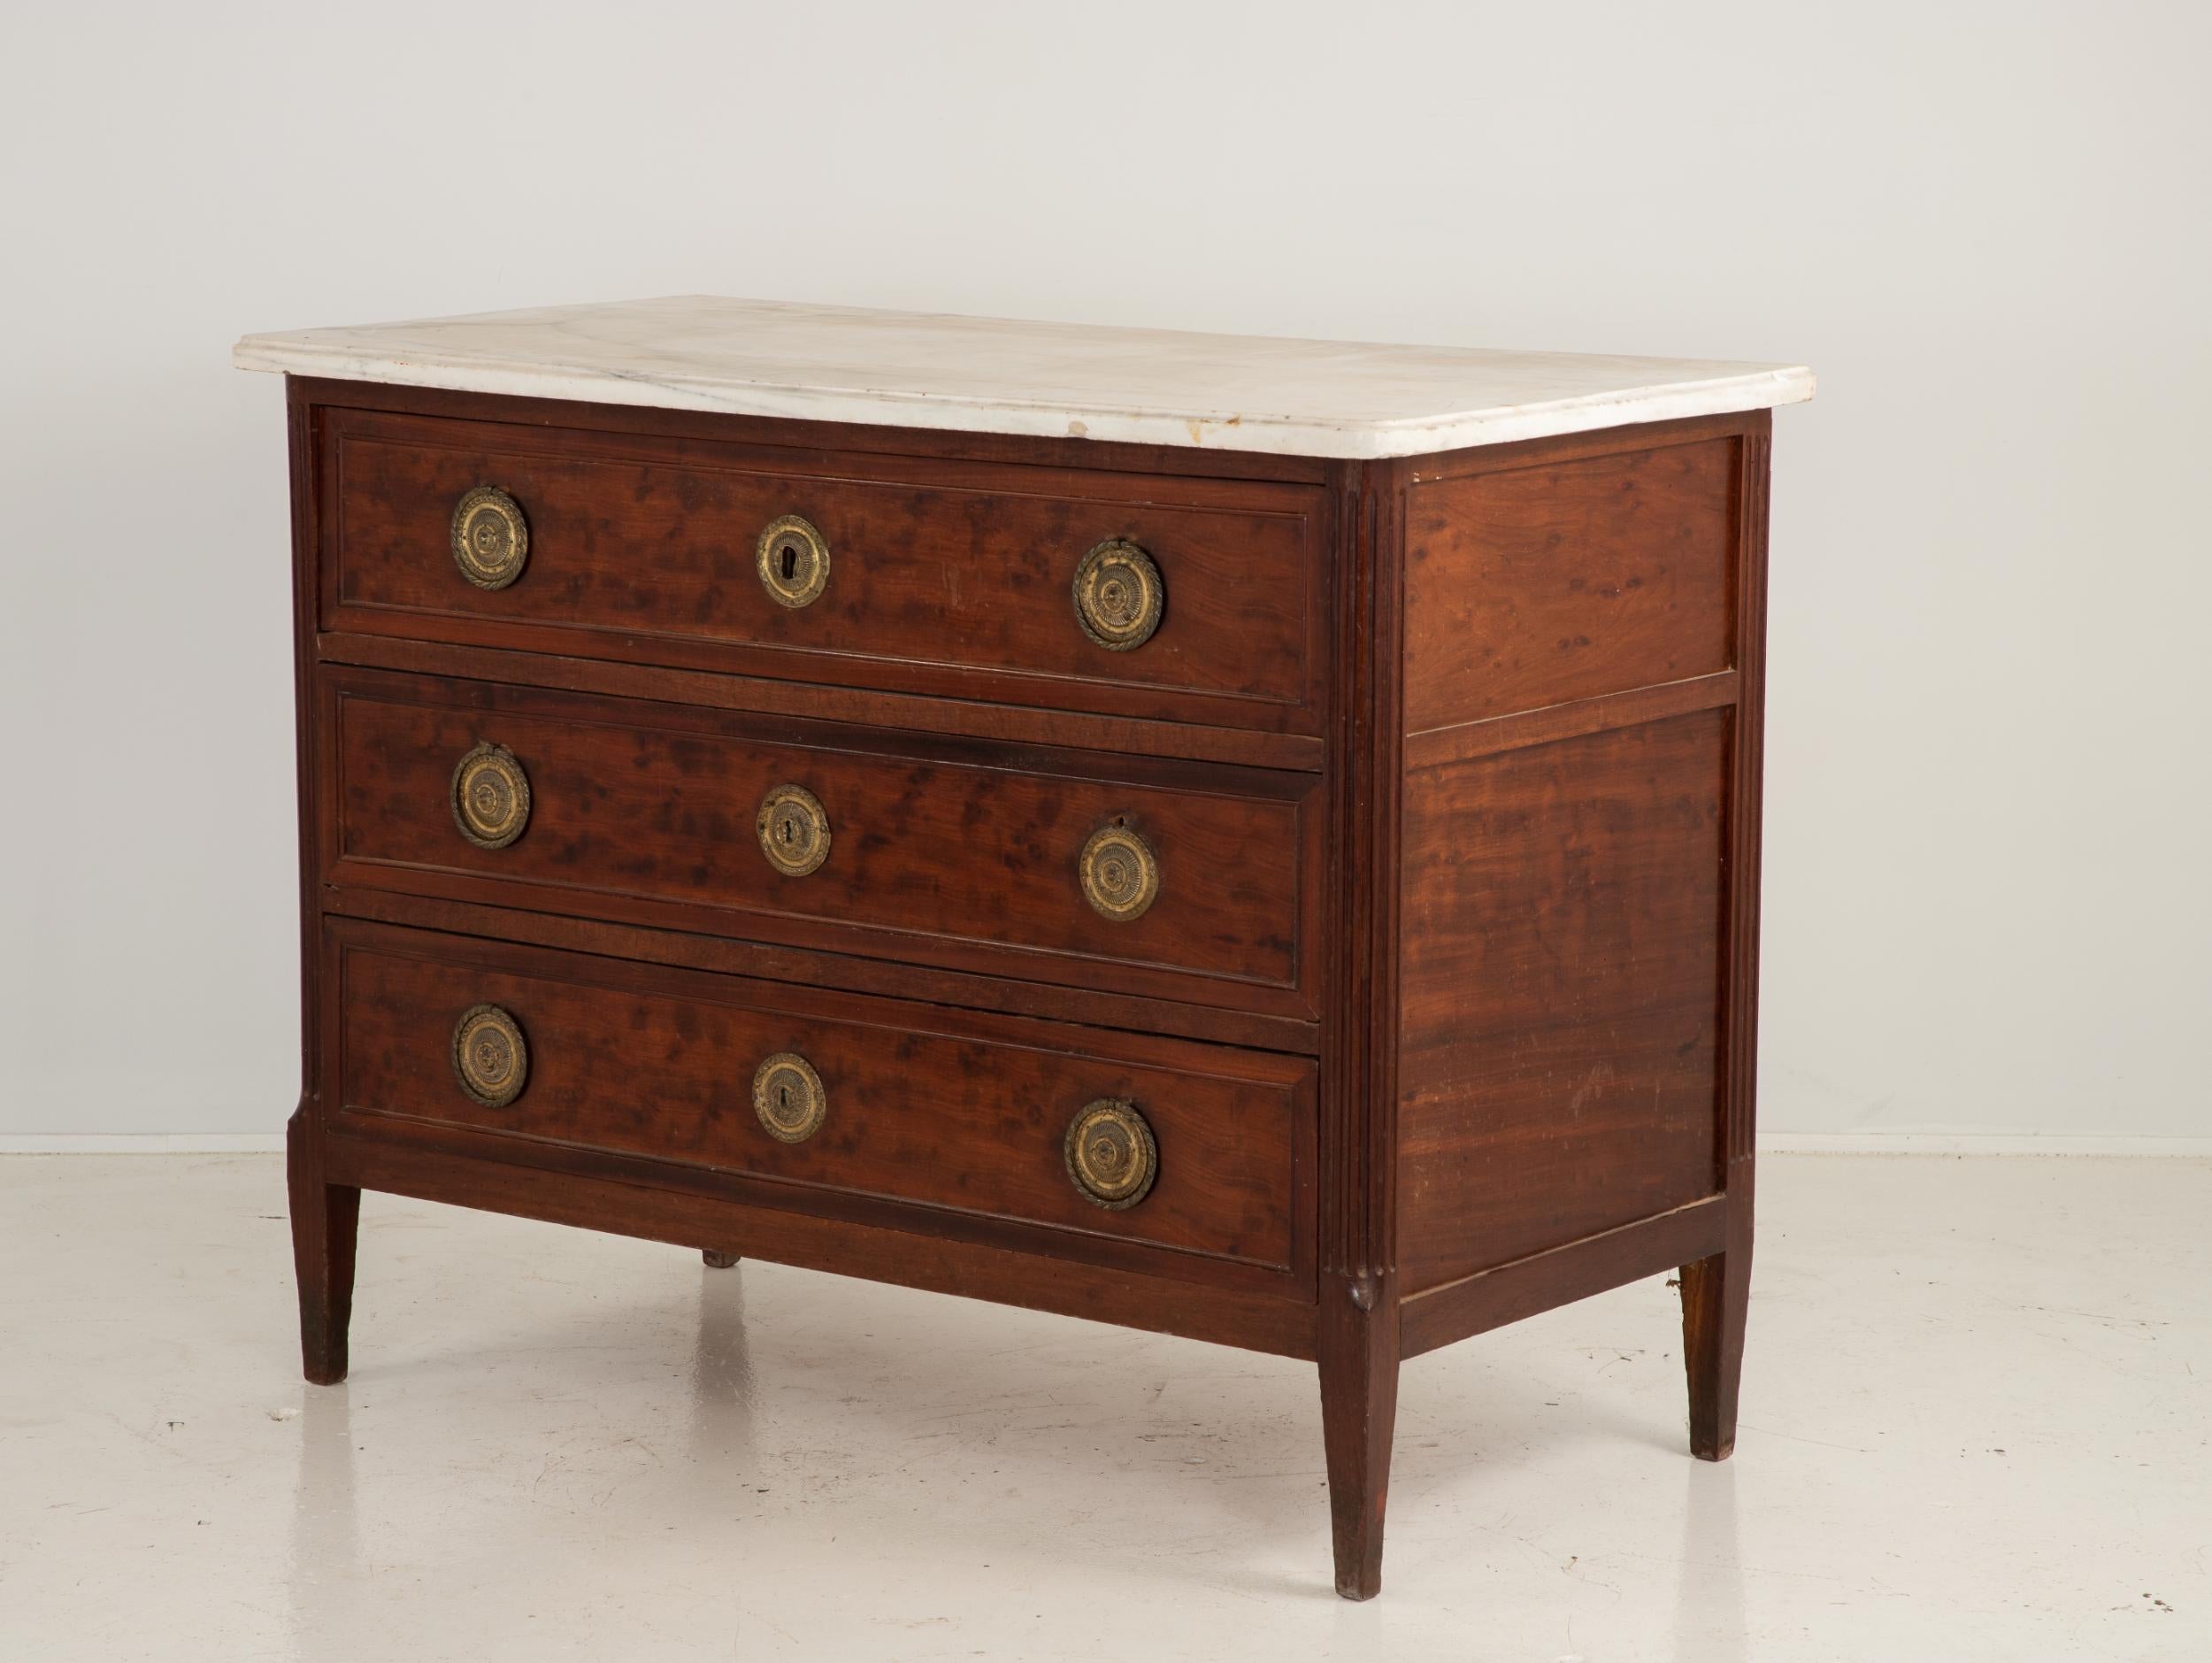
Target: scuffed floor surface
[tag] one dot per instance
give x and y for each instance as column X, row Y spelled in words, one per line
column 1975, row 1413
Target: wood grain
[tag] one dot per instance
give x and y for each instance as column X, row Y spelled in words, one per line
column 326, row 1217
column 1446, row 1014
column 1559, row 1047
column 1357, row 1333
column 1715, row 1302
column 1456, row 1310
column 1357, row 1323
column 1548, row 583
column 1549, row 723
column 1095, row 1007
column 1011, row 724
column 1717, row 1288
column 938, row 853
column 944, row 575
column 934, row 1108
column 368, row 1155
column 325, row 1212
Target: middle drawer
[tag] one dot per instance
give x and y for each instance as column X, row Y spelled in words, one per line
column 1156, row 878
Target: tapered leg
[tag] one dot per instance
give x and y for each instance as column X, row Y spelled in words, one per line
column 1716, row 1294
column 717, row 1261
column 325, row 1220
column 1359, row 1410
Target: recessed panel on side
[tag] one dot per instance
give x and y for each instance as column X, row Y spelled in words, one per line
column 1539, row 585
column 1563, row 913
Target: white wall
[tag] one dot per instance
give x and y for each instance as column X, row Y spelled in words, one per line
column 1986, row 226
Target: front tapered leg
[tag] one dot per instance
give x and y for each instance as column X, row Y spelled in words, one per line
column 325, row 1217
column 1715, row 1295
column 1359, row 1411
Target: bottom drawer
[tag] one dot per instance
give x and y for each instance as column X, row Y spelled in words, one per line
column 915, row 1116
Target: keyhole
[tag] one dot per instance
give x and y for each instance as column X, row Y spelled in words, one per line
column 783, row 1098
column 788, row 834
column 790, row 562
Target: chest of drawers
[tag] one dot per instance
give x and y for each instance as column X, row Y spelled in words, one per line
column 1252, row 840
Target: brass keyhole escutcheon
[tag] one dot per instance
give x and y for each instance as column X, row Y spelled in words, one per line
column 1118, row 595
column 789, row 1098
column 1120, row 874
column 1110, row 1154
column 795, row 830
column 491, row 1059
column 794, row 560
column 490, row 797
column 491, row 539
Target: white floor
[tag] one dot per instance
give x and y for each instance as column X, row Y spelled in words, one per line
column 1976, row 1420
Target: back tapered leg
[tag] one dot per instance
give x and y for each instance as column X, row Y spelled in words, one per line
column 1716, row 1297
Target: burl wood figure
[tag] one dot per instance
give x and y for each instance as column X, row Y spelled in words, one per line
column 1255, row 840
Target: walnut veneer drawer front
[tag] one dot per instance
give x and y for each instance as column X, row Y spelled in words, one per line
column 914, row 574
column 1055, row 867
column 822, row 1098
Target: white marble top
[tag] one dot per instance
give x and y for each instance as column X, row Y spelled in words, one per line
column 1225, row 392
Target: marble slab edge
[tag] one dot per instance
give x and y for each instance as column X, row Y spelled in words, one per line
column 1374, row 440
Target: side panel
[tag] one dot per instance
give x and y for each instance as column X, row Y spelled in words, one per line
column 1572, row 788
column 1561, row 1012
column 1548, row 582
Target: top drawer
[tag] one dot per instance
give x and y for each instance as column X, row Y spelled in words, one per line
column 906, row 573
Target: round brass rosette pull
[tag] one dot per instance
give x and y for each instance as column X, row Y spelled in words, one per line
column 1110, row 1154
column 794, row 561
column 489, row 1057
column 491, row 539
column 795, row 830
column 490, row 797
column 1119, row 873
column 787, row 1096
column 1118, row 595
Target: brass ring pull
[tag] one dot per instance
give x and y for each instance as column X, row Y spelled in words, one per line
column 789, row 1098
column 794, row 561
column 491, row 539
column 795, row 830
column 491, row 1059
column 1118, row 871
column 490, row 797
column 1118, row 595
column 1110, row 1155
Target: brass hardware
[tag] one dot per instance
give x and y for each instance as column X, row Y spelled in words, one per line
column 490, row 797
column 491, row 539
column 1110, row 1154
column 787, row 1096
column 1119, row 873
column 1118, row 595
column 794, row 561
column 489, row 1057
column 795, row 830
